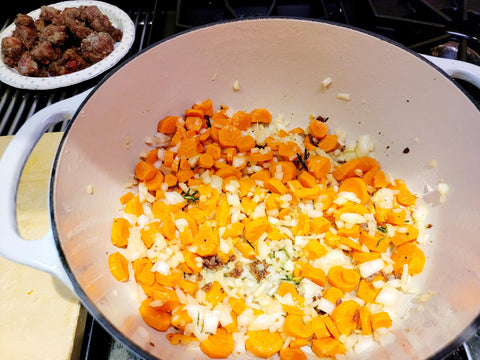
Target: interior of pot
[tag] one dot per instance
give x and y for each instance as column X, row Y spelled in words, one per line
column 396, row 98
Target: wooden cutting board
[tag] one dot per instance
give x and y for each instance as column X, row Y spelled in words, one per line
column 40, row 318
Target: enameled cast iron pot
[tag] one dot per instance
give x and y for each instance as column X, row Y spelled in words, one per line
column 397, row 97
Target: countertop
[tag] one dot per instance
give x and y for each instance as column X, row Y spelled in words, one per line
column 40, row 318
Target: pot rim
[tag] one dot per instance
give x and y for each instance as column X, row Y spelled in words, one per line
column 91, row 307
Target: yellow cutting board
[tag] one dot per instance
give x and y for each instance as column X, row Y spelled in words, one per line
column 40, row 318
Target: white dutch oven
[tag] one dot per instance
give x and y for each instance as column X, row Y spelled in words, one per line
column 397, row 97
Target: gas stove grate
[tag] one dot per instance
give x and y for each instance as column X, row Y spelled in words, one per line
column 439, row 27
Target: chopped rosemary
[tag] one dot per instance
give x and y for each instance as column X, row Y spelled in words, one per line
column 378, row 242
column 303, row 160
column 190, row 196
column 382, row 229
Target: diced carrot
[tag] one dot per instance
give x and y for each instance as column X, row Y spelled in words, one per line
column 379, row 179
column 307, row 179
column 365, row 321
column 260, row 156
column 215, row 293
column 333, row 294
column 242, row 120
column 379, row 242
column 159, row 320
column 327, row 347
column 193, row 123
column 346, row 316
column 145, row 171
column 295, row 326
column 219, row 345
column 314, row 274
column 381, row 320
column 343, row 278
column 120, row 232
column 245, row 143
column 288, row 150
column 349, row 168
column 290, row 353
column 276, row 186
column 118, row 265
column 168, row 125
column 194, row 112
column 328, row 143
column 170, row 280
column 263, row 343
column 318, row 166
column 366, row 291
column 154, row 183
column 286, row 169
column 261, row 116
column 408, row 233
column 318, row 129
column 149, row 233
column 206, row 106
column 126, row 197
column 152, row 156
column 411, row 255
column 171, row 180
column 357, row 186
column 228, row 135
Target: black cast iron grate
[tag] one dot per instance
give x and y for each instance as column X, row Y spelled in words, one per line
column 446, row 28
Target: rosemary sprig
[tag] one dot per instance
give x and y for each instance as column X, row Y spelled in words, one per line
column 303, row 159
column 191, row 196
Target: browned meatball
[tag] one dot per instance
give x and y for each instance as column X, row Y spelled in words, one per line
column 25, row 30
column 27, row 66
column 12, row 50
column 70, row 62
column 96, row 46
column 44, row 52
column 55, row 34
column 101, row 23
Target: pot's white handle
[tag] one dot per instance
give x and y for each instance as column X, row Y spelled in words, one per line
column 458, row 69
column 42, row 253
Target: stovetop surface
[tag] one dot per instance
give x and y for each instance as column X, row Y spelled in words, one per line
column 446, row 28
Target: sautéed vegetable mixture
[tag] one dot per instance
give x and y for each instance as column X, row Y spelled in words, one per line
column 248, row 237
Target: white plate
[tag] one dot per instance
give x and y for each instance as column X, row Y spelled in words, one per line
column 117, row 17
